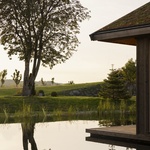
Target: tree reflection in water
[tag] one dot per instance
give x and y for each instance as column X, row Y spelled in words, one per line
column 113, row 143
column 28, row 135
column 112, row 147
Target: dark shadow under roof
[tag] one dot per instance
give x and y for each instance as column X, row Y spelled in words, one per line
column 125, row 29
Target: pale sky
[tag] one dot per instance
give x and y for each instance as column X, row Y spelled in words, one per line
column 92, row 61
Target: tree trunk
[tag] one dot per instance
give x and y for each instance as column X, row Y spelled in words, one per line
column 29, row 78
column 29, row 83
column 28, row 135
column 28, row 86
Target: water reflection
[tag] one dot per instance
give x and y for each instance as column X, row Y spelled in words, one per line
column 69, row 134
column 28, row 135
column 113, row 144
column 59, row 135
column 113, row 147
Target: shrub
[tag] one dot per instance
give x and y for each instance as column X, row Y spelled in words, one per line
column 54, row 94
column 41, row 93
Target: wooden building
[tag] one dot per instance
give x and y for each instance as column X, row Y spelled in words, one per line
column 134, row 29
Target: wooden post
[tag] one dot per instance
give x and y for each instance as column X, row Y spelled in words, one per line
column 143, row 86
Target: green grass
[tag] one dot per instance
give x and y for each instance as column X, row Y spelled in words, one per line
column 11, row 91
column 46, row 105
column 4, row 91
column 15, row 103
column 65, row 87
column 70, row 104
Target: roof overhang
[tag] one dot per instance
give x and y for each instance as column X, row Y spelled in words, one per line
column 122, row 36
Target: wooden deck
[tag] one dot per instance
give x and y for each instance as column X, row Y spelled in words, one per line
column 120, row 135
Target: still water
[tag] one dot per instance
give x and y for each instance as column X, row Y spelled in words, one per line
column 58, row 135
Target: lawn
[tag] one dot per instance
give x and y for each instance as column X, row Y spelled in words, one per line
column 11, row 91
column 11, row 104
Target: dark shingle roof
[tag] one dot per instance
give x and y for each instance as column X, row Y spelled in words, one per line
column 138, row 17
column 126, row 29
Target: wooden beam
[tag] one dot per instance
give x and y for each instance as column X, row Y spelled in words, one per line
column 120, row 35
column 143, row 85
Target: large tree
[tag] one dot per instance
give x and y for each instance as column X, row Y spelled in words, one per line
column 40, row 32
column 114, row 87
column 129, row 73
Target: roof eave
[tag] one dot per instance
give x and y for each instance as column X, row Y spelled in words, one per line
column 116, row 35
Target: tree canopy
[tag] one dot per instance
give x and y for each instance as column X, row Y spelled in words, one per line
column 3, row 75
column 114, row 86
column 120, row 83
column 17, row 77
column 40, row 31
column 129, row 73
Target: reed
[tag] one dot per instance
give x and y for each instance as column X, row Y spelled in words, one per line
column 86, row 107
column 44, row 111
column 5, row 113
column 57, row 113
column 71, row 111
column 108, row 106
column 25, row 112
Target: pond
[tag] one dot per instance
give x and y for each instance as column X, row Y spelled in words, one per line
column 52, row 135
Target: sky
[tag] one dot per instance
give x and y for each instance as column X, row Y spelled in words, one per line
column 93, row 60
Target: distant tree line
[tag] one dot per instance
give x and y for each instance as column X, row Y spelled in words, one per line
column 3, row 76
column 17, row 76
column 120, row 83
column 44, row 83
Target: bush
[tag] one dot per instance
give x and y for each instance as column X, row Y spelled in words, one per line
column 54, row 94
column 41, row 93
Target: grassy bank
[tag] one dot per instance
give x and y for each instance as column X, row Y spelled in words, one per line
column 47, row 105
column 11, row 91
column 14, row 104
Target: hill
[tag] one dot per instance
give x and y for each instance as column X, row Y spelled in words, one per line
column 11, row 83
column 84, row 89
